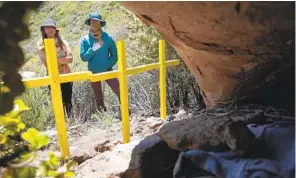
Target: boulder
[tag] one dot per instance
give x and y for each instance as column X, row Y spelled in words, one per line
column 151, row 158
column 144, row 158
column 212, row 133
column 236, row 50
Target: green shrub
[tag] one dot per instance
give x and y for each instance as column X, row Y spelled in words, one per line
column 40, row 116
column 17, row 154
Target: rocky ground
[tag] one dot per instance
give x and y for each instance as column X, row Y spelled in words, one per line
column 98, row 148
column 99, row 152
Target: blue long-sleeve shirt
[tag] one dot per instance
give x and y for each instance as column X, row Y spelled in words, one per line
column 102, row 59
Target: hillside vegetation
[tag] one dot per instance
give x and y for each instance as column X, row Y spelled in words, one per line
column 141, row 48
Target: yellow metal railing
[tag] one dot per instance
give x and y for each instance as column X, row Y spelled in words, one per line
column 162, row 81
column 54, row 80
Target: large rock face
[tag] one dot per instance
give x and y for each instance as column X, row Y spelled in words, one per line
column 236, row 50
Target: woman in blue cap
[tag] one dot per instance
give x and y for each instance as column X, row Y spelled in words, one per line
column 99, row 50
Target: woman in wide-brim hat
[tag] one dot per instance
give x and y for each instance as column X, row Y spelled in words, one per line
column 49, row 29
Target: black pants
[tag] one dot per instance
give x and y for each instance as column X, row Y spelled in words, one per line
column 67, row 96
column 67, row 89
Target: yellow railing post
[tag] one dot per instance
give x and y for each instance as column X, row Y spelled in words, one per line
column 123, row 91
column 162, row 81
column 56, row 95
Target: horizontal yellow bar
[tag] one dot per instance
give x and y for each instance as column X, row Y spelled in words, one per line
column 44, row 81
column 144, row 68
column 104, row 76
column 37, row 82
column 172, row 63
column 75, row 76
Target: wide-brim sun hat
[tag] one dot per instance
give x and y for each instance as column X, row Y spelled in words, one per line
column 97, row 17
column 48, row 23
